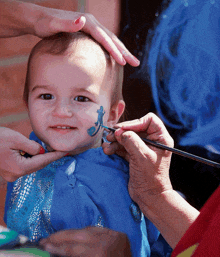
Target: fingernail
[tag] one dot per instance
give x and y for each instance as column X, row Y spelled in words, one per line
column 123, row 60
column 118, row 132
column 136, row 60
column 42, row 151
column 77, row 21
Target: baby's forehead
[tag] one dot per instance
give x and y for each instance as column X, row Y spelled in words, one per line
column 89, row 50
column 84, row 48
column 86, row 56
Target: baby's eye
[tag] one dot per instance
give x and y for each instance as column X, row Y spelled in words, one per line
column 46, row 96
column 81, row 98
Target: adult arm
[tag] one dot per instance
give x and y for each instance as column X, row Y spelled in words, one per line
column 20, row 18
column 12, row 164
column 149, row 184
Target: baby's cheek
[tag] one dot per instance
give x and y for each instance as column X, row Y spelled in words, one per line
column 92, row 114
column 89, row 116
column 88, row 119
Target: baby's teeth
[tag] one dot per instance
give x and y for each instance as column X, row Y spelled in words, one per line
column 59, row 127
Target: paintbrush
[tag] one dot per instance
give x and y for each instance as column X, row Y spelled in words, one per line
column 175, row 151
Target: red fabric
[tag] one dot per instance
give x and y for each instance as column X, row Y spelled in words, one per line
column 205, row 231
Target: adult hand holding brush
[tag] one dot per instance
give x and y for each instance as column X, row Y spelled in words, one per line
column 149, row 184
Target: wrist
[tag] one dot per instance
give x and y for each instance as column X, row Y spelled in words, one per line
column 18, row 18
column 146, row 196
column 170, row 213
column 32, row 13
column 151, row 200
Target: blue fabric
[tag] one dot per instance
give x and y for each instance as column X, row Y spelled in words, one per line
column 89, row 189
column 184, row 70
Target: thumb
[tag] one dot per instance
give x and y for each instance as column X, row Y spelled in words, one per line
column 29, row 146
column 133, row 144
column 40, row 161
column 68, row 25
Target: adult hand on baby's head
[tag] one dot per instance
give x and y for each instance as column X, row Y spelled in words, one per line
column 12, row 164
column 109, row 41
column 87, row 242
column 22, row 18
column 52, row 21
column 149, row 166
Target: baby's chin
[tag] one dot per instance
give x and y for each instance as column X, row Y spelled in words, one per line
column 68, row 150
column 71, row 150
column 59, row 148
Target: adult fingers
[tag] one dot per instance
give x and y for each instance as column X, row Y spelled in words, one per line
column 68, row 249
column 58, row 25
column 140, row 124
column 131, row 59
column 70, row 242
column 134, row 146
column 13, row 140
column 90, row 241
column 113, row 148
column 17, row 165
column 71, row 235
column 29, row 146
column 149, row 126
column 100, row 35
column 40, row 161
column 109, row 41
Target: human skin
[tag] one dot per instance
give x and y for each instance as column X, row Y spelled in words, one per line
column 87, row 242
column 12, row 164
column 149, row 184
column 65, row 93
column 20, row 18
column 149, row 187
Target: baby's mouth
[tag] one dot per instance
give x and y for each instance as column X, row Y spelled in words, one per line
column 62, row 127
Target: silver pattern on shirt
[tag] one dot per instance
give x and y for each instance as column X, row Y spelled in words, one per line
column 30, row 203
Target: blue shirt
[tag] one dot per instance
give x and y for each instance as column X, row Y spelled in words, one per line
column 89, row 189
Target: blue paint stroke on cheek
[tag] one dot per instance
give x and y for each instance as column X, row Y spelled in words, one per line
column 95, row 129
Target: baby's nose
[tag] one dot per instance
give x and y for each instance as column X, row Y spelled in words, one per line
column 63, row 109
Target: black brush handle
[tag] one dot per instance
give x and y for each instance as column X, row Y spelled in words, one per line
column 177, row 151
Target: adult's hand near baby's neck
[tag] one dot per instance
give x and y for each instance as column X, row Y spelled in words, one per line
column 149, row 183
column 12, row 164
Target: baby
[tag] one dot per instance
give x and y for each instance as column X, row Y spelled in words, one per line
column 73, row 87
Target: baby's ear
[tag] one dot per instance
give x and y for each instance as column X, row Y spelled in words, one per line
column 115, row 113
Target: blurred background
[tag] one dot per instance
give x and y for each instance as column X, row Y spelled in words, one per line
column 14, row 54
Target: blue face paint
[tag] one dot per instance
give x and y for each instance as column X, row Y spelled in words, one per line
column 94, row 130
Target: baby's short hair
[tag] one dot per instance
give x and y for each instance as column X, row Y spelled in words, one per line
column 59, row 44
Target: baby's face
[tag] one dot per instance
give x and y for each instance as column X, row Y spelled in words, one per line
column 65, row 94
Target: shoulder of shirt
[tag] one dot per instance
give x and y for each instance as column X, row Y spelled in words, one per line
column 97, row 156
